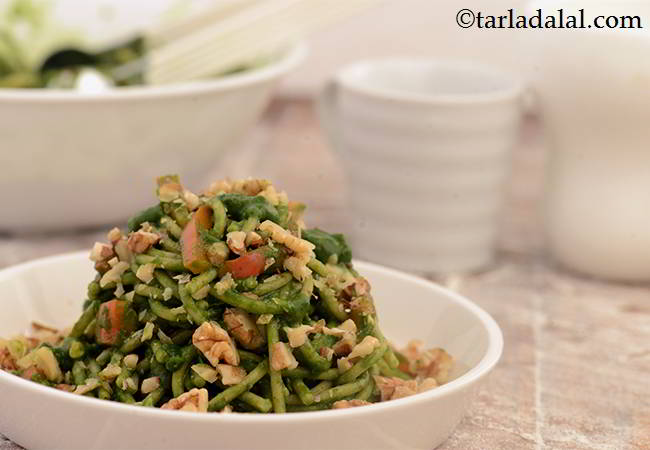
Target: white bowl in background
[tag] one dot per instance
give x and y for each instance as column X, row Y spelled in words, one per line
column 51, row 290
column 71, row 160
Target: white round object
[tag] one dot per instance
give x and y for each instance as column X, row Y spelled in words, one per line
column 75, row 159
column 51, row 291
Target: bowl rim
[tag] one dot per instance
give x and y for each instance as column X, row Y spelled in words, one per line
column 469, row 378
column 291, row 57
column 349, row 77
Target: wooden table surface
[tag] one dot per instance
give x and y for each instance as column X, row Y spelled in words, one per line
column 575, row 371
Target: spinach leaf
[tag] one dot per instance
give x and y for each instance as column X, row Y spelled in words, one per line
column 151, row 215
column 328, row 244
column 242, row 207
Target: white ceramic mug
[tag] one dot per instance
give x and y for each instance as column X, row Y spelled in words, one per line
column 426, row 149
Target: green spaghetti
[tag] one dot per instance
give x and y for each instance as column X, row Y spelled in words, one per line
column 225, row 301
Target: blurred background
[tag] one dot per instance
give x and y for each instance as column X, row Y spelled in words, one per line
column 580, row 99
column 415, row 28
column 285, row 144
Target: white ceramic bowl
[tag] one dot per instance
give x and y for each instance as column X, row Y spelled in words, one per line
column 51, row 290
column 77, row 160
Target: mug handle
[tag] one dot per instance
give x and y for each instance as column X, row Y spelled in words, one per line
column 327, row 114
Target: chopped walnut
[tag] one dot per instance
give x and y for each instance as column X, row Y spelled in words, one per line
column 341, row 404
column 191, row 200
column 348, row 337
column 269, row 263
column 243, row 328
column 7, row 361
column 217, row 253
column 427, row 384
column 182, row 278
column 264, row 319
column 205, row 371
column 110, row 372
column 130, row 360
column 169, row 191
column 145, row 272
column 319, row 326
column 412, row 350
column 359, row 287
column 440, row 366
column 113, row 274
column 298, row 336
column 271, row 195
column 65, row 387
column 249, row 186
column 282, row 358
column 224, row 284
column 219, row 187
column 230, row 375
column 326, row 353
column 343, row 364
column 338, row 278
column 236, row 241
column 202, row 293
column 215, row 343
column 253, row 239
column 141, row 241
column 363, row 305
column 405, row 390
column 129, row 384
column 122, row 250
column 102, row 267
column 365, row 347
column 91, row 384
column 150, row 384
column 114, row 235
column 347, row 327
column 195, row 400
column 433, row 363
column 101, row 252
column 147, row 227
column 362, row 286
column 392, row 388
column 119, row 290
